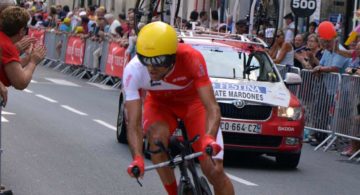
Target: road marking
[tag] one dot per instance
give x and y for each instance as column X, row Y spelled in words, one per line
column 28, row 91
column 101, row 86
column 7, row 113
column 4, row 120
column 33, row 81
column 240, row 180
column 62, row 82
column 74, row 110
column 105, row 124
column 46, row 98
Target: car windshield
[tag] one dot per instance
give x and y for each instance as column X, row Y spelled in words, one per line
column 227, row 62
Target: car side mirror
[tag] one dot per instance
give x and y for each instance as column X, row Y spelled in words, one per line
column 292, row 79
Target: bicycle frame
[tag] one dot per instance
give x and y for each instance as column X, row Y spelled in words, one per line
column 185, row 161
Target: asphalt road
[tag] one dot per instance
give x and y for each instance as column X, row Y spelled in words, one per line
column 58, row 138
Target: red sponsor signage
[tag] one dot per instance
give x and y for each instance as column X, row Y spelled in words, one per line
column 75, row 51
column 116, row 60
column 39, row 34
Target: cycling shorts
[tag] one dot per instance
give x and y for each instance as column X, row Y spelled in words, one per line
column 193, row 115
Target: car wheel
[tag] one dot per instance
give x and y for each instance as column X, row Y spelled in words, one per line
column 288, row 161
column 121, row 123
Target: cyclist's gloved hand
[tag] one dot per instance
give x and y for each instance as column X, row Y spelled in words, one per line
column 137, row 162
column 209, row 140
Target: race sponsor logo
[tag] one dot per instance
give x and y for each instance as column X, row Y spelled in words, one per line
column 239, row 87
column 233, row 90
column 179, row 79
column 155, row 83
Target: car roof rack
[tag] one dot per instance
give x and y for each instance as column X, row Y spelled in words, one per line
column 201, row 34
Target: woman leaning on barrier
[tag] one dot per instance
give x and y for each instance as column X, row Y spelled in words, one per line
column 353, row 69
column 312, row 53
column 354, row 54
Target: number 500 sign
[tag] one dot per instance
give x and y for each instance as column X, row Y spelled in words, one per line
column 303, row 8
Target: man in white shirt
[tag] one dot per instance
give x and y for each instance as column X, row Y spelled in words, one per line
column 290, row 27
column 112, row 22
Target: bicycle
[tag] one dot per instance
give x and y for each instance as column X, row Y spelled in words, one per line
column 181, row 155
column 145, row 10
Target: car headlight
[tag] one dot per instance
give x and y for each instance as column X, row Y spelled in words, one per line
column 290, row 113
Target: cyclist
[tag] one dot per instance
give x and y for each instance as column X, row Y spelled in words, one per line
column 177, row 84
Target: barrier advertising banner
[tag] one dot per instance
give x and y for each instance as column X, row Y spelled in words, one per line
column 75, row 51
column 39, row 34
column 116, row 60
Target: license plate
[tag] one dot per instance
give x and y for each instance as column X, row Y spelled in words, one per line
column 240, row 127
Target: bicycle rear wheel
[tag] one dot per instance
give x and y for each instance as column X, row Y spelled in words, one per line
column 186, row 189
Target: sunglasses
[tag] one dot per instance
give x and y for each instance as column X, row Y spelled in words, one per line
column 163, row 61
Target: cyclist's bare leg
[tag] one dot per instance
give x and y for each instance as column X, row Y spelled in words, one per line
column 216, row 176
column 160, row 131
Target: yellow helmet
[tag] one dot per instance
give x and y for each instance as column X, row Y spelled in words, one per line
column 79, row 29
column 156, row 44
column 67, row 20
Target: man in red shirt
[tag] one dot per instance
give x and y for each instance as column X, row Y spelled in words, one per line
column 178, row 86
column 13, row 71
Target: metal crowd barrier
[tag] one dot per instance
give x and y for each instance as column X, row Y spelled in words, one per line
column 51, row 40
column 347, row 123
column 318, row 95
column 283, row 69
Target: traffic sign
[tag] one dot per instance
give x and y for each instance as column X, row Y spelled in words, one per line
column 303, row 8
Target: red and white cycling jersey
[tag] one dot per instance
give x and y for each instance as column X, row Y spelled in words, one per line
column 175, row 96
column 180, row 84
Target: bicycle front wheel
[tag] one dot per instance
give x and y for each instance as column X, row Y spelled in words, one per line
column 205, row 188
column 186, row 189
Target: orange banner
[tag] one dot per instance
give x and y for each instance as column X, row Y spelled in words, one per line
column 39, row 34
column 116, row 60
column 75, row 51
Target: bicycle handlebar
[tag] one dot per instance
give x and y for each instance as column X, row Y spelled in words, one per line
column 176, row 160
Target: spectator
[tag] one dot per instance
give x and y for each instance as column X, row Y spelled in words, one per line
column 204, row 19
column 52, row 19
column 91, row 13
column 13, row 23
column 100, row 12
column 299, row 48
column 194, row 15
column 130, row 13
column 39, row 21
column 329, row 62
column 86, row 23
column 112, row 22
column 119, row 32
column 290, row 27
column 242, row 27
column 124, row 23
column 353, row 69
column 282, row 52
column 311, row 54
column 312, row 30
column 65, row 26
column 214, row 22
column 79, row 30
column 64, row 12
